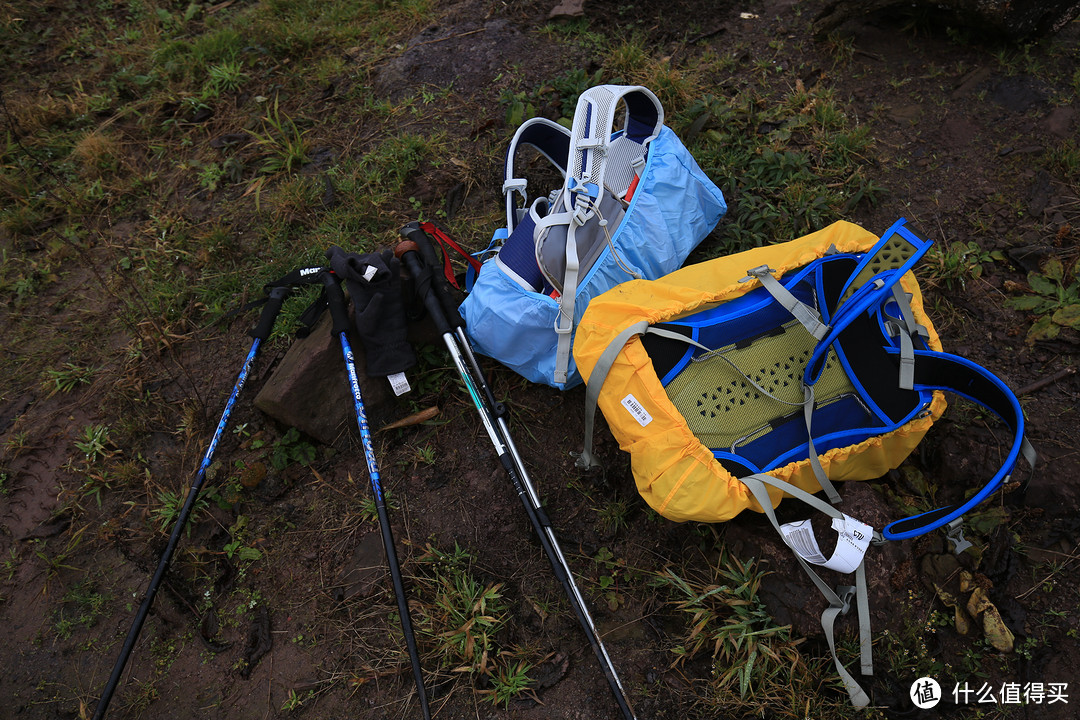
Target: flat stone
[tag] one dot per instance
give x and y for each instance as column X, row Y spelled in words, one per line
column 309, row 389
column 365, row 569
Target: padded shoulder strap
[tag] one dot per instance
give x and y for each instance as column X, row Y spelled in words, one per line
column 591, row 144
column 870, row 285
column 944, row 371
column 551, row 140
column 594, row 124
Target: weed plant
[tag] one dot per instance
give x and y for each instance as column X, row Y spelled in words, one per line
column 755, row 663
column 465, row 619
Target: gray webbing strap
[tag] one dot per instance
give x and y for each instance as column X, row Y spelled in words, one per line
column 1028, row 451
column 586, row 460
column 564, row 323
column 815, row 463
column 907, row 345
column 839, row 602
column 806, row 315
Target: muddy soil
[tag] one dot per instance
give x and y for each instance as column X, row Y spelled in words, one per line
column 963, row 148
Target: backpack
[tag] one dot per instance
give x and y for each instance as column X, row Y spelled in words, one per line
column 633, row 204
column 776, row 372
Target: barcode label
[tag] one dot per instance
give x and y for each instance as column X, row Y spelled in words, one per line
column 637, row 410
column 800, row 537
column 399, row 383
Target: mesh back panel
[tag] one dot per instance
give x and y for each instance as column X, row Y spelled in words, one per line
column 722, row 409
column 622, row 152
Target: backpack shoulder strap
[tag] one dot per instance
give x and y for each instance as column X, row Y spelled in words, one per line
column 935, row 370
column 591, row 144
column 551, row 140
column 591, row 140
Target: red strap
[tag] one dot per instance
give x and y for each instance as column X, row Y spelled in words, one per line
column 444, row 240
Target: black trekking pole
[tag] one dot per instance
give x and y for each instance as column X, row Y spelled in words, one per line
column 492, row 415
column 340, row 317
column 262, row 330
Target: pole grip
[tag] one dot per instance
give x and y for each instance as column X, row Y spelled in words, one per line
column 335, row 300
column 270, row 312
column 412, row 231
column 407, row 252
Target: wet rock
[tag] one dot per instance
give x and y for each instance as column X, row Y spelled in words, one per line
column 1046, row 491
column 957, row 132
column 1059, row 122
column 1039, row 193
column 309, row 389
column 1018, row 93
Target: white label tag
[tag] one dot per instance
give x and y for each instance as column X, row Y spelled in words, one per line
column 851, row 546
column 399, row 383
column 369, row 272
column 855, row 537
column 637, row 410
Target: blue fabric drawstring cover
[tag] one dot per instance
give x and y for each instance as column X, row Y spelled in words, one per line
column 673, row 208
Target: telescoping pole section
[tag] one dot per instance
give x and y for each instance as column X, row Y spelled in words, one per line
column 260, row 333
column 340, row 318
column 440, row 307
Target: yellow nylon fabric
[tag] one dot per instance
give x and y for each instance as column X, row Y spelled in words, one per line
column 674, row 472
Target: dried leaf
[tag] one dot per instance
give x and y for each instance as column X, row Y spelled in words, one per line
column 414, row 419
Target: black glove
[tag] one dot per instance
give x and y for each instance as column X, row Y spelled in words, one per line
column 374, row 284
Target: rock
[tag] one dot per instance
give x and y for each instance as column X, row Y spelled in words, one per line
column 1059, row 122
column 1045, row 490
column 365, row 569
column 309, row 389
column 1017, row 20
column 1018, row 93
column 957, row 132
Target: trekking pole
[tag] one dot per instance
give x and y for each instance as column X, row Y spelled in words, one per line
column 340, row 317
column 441, row 286
column 262, row 330
column 492, row 416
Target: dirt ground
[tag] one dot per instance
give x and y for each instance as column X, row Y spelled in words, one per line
column 965, row 148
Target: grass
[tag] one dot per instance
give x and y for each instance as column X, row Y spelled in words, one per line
column 789, row 162
column 756, row 664
column 465, row 620
column 163, row 160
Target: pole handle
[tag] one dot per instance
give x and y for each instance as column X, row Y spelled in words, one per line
column 270, row 312
column 413, row 232
column 335, row 300
column 408, row 252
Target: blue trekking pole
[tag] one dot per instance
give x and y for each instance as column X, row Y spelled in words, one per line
column 277, row 293
column 340, row 318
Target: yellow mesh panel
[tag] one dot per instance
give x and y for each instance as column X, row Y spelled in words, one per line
column 722, row 408
column 893, row 254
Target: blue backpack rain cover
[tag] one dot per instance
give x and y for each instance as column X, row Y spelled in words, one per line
column 634, row 202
